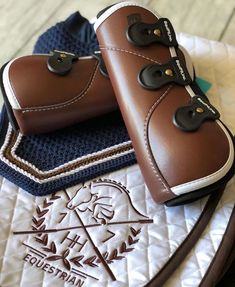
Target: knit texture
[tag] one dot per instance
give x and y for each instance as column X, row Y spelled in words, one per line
column 75, row 35
column 49, row 151
column 74, row 142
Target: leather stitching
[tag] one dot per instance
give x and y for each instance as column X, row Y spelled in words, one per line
column 129, row 52
column 146, row 139
column 74, row 100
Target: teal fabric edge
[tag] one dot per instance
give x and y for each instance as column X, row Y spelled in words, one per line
column 203, row 84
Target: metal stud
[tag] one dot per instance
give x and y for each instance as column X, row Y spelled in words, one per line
column 169, row 72
column 199, row 110
column 157, row 32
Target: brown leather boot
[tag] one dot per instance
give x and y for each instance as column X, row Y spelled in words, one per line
column 44, row 93
column 183, row 149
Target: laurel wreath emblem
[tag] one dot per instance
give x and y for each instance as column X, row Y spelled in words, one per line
column 93, row 261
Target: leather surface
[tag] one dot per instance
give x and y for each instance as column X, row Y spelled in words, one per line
column 168, row 157
column 49, row 101
column 18, row 207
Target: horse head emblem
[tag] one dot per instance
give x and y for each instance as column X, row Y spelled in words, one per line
column 99, row 206
column 100, row 199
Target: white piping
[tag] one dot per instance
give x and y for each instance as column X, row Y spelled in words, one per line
column 7, row 84
column 207, row 180
column 116, row 7
column 8, row 88
column 93, row 20
column 212, row 178
column 188, row 62
column 61, row 175
column 173, row 53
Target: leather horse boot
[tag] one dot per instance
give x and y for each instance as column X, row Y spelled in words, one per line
column 183, row 148
column 44, row 93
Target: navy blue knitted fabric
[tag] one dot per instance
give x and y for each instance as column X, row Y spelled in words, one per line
column 49, row 151
column 55, row 149
column 74, row 35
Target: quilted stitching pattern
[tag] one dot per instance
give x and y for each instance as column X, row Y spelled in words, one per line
column 158, row 241
column 195, row 265
column 214, row 62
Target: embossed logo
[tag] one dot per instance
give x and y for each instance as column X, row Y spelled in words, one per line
column 168, row 31
column 181, row 70
column 205, row 104
column 82, row 234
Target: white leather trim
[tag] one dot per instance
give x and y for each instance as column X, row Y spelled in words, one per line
column 8, row 88
column 93, row 20
column 189, row 66
column 85, row 58
column 7, row 85
column 157, row 241
column 212, row 178
column 188, row 60
column 202, row 182
column 114, row 8
column 118, row 6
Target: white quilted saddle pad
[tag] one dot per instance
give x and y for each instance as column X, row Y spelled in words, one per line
column 109, row 232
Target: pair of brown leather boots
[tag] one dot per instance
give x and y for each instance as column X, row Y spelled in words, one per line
column 183, row 149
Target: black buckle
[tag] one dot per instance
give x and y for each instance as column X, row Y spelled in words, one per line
column 153, row 77
column 60, row 62
column 97, row 55
column 142, row 34
column 191, row 117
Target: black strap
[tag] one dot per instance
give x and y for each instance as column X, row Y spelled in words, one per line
column 97, row 55
column 60, row 62
column 153, row 77
column 191, row 117
column 143, row 34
